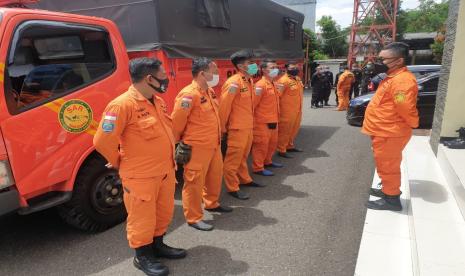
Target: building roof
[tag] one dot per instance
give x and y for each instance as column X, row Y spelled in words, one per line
column 294, row 2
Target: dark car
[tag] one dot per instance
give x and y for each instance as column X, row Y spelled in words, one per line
column 418, row 70
column 427, row 89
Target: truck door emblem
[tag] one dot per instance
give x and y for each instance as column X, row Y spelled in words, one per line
column 75, row 116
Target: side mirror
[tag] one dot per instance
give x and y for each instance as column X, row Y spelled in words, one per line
column 420, row 87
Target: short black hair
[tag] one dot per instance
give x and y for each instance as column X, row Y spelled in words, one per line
column 241, row 56
column 289, row 62
column 400, row 49
column 200, row 64
column 265, row 62
column 139, row 68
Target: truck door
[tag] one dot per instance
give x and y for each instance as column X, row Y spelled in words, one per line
column 57, row 79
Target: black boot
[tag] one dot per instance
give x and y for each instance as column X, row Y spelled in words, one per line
column 145, row 261
column 458, row 143
column 161, row 250
column 376, row 192
column 387, row 202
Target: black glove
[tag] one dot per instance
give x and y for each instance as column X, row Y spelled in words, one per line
column 272, row 125
column 183, row 153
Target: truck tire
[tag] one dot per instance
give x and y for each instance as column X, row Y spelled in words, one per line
column 97, row 201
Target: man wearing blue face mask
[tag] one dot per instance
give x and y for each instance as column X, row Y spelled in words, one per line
column 236, row 118
column 266, row 115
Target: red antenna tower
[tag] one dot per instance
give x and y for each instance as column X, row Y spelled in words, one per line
column 373, row 26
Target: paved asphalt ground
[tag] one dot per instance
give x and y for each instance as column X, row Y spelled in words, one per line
column 308, row 221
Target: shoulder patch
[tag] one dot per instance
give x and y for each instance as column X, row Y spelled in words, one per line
column 233, row 88
column 399, row 97
column 186, row 101
column 258, row 90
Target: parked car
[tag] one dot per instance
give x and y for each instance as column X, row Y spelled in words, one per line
column 427, row 90
column 418, row 70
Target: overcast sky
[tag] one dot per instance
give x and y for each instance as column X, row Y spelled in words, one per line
column 342, row 10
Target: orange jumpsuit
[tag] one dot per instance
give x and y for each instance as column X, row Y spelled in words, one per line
column 196, row 122
column 143, row 133
column 236, row 117
column 291, row 90
column 343, row 89
column 389, row 119
column 266, row 114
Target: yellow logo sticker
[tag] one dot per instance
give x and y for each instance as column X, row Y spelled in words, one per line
column 399, row 97
column 75, row 116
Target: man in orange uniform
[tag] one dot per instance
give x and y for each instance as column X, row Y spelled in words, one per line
column 196, row 123
column 135, row 136
column 291, row 91
column 344, row 86
column 236, row 116
column 266, row 116
column 389, row 119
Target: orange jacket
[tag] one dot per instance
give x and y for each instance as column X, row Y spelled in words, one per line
column 236, row 105
column 266, row 102
column 345, row 80
column 392, row 112
column 143, row 133
column 195, row 117
column 290, row 91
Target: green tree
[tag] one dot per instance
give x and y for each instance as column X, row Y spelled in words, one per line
column 333, row 38
column 315, row 48
column 438, row 46
column 428, row 17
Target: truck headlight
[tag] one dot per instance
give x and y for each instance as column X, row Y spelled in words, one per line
column 6, row 177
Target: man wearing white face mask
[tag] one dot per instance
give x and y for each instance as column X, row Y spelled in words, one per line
column 266, row 116
column 196, row 126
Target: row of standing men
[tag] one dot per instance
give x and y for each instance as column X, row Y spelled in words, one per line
column 137, row 136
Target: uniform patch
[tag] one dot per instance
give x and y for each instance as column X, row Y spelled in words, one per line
column 110, row 116
column 280, row 87
column 108, row 126
column 400, row 97
column 258, row 90
column 186, row 102
column 233, row 88
column 203, row 100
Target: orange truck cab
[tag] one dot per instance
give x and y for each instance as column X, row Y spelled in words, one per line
column 62, row 62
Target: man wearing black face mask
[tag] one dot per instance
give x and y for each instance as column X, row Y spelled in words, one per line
column 290, row 89
column 318, row 82
column 329, row 85
column 389, row 119
column 135, row 136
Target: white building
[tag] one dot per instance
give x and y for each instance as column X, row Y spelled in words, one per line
column 307, row 7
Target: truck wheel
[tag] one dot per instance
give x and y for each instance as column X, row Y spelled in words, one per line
column 97, row 201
